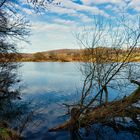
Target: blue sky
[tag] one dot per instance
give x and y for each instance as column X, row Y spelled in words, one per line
column 56, row 27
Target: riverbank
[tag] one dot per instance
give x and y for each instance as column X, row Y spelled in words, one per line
column 102, row 54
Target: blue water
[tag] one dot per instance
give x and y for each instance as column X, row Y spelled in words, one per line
column 45, row 86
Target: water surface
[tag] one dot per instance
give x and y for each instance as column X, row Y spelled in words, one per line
column 46, row 86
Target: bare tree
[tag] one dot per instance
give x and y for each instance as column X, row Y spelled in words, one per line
column 41, row 5
column 109, row 50
column 110, row 46
column 13, row 27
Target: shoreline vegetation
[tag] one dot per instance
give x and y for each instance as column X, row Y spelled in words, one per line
column 70, row 55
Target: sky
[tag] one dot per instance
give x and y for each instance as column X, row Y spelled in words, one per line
column 56, row 27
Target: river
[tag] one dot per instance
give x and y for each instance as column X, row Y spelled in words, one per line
column 45, row 86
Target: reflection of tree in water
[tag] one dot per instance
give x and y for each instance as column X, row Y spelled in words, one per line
column 9, row 90
column 12, row 28
column 8, row 79
column 106, row 68
column 9, row 87
column 118, row 119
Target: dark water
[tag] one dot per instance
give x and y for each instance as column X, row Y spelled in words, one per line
column 45, row 87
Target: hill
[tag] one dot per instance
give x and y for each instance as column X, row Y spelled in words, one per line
column 71, row 55
column 62, row 55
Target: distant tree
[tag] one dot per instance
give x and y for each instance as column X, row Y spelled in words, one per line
column 53, row 56
column 39, row 57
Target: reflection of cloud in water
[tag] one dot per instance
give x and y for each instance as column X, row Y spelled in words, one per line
column 48, row 85
column 43, row 89
column 46, row 117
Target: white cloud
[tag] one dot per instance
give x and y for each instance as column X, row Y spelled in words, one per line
column 69, row 7
column 49, row 36
column 113, row 5
column 46, row 27
column 55, row 30
column 76, row 10
column 65, row 22
column 85, row 18
column 135, row 4
column 61, row 10
column 78, row 7
column 116, row 5
column 28, row 11
column 87, row 2
column 101, row 1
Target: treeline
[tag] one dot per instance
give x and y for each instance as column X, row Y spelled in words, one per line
column 71, row 55
column 63, row 55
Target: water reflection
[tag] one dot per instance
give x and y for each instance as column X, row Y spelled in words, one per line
column 48, row 85
column 13, row 110
column 9, row 87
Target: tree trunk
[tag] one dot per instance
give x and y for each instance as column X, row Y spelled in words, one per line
column 105, row 113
